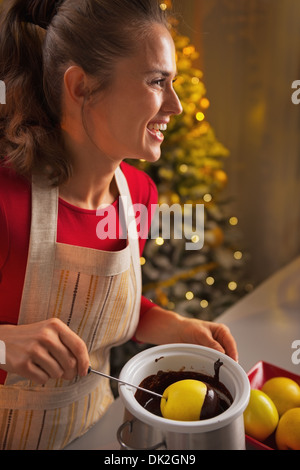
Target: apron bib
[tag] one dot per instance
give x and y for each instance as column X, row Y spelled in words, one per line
column 97, row 294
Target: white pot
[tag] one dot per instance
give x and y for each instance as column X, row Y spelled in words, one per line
column 144, row 430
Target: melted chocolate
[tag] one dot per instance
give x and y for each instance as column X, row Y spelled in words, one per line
column 211, row 405
column 217, row 366
column 218, row 398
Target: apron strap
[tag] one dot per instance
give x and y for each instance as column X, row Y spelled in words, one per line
column 41, row 255
column 126, row 208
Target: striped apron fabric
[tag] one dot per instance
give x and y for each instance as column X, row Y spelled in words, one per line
column 97, row 294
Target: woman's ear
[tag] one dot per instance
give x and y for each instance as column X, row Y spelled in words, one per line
column 76, row 85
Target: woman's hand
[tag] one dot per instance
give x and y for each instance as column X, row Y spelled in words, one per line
column 212, row 335
column 159, row 326
column 43, row 351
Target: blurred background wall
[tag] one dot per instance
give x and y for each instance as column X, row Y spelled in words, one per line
column 250, row 56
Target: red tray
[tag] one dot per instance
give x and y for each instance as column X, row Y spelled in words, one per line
column 258, row 375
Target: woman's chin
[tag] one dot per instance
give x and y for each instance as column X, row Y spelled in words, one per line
column 148, row 157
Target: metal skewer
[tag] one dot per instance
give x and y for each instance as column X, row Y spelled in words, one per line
column 124, row 383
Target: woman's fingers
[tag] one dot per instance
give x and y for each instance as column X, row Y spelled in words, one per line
column 77, row 356
column 225, row 338
column 209, row 334
column 40, row 351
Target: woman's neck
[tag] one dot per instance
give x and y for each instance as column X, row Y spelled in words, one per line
column 92, row 182
column 89, row 193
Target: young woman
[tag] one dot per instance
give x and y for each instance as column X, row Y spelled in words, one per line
column 89, row 83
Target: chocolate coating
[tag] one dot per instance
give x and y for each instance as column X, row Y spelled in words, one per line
column 217, row 400
column 211, row 404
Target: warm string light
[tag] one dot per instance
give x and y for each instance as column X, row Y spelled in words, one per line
column 207, row 198
column 189, row 295
column 238, row 255
column 163, row 6
column 160, row 241
column 183, row 168
column 205, row 103
column 233, row 221
column 232, row 286
column 189, row 50
column 210, row 281
column 203, row 303
column 200, row 116
column 166, row 4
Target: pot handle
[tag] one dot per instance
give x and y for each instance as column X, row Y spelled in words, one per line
column 124, row 446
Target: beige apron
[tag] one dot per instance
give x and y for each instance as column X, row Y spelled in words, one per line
column 97, row 294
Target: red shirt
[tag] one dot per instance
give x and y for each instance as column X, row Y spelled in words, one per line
column 75, row 226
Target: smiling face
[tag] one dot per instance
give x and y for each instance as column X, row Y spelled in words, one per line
column 128, row 118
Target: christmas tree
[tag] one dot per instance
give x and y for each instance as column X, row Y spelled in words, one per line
column 205, row 282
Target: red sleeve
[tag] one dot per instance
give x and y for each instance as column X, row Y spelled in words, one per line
column 15, row 220
column 4, row 239
column 146, row 305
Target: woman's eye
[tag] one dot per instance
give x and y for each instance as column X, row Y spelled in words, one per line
column 162, row 82
column 159, row 82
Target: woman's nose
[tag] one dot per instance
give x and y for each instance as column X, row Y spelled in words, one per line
column 179, row 108
column 172, row 103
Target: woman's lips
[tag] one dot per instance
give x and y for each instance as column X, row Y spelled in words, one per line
column 156, row 134
column 155, row 128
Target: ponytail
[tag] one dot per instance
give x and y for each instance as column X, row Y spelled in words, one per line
column 30, row 138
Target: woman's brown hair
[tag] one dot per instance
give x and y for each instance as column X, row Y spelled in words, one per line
column 39, row 39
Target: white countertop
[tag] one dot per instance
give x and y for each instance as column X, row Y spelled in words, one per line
column 265, row 324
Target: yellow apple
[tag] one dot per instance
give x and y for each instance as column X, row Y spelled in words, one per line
column 261, row 416
column 288, row 430
column 183, row 400
column 284, row 392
